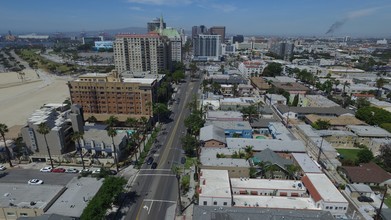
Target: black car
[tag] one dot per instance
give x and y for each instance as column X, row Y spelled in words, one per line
column 364, row 199
column 150, row 160
column 183, row 160
column 113, row 172
column 154, row 165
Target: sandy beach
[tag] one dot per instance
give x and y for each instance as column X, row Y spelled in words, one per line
column 19, row 99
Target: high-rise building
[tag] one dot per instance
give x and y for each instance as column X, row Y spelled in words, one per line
column 218, row 30
column 207, row 47
column 196, row 30
column 141, row 53
column 237, row 38
column 155, row 24
column 61, row 122
column 102, row 95
column 283, row 49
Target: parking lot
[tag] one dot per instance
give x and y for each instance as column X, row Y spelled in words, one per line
column 18, row 175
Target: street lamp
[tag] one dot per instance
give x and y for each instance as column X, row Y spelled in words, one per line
column 321, row 144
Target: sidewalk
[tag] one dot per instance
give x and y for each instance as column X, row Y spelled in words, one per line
column 188, row 197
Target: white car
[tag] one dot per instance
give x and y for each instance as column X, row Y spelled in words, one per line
column 46, row 169
column 71, row 170
column 35, row 182
column 96, row 171
column 2, row 167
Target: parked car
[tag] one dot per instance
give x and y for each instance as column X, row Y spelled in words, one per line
column 58, row 170
column 183, row 160
column 35, row 182
column 71, row 170
column 113, row 172
column 154, row 165
column 2, row 167
column 86, row 170
column 150, row 160
column 96, row 171
column 46, row 169
column 364, row 199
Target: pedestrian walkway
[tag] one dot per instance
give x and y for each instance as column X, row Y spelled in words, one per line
column 188, row 199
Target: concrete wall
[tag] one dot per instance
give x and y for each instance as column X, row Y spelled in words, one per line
column 215, row 201
column 233, row 172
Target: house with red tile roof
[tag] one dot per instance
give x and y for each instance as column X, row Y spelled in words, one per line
column 325, row 195
column 367, row 173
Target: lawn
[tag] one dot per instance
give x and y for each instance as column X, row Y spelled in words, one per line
column 387, row 201
column 349, row 153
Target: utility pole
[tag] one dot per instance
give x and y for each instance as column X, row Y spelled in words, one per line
column 381, row 204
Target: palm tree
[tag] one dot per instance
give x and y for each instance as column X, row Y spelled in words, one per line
column 135, row 141
column 112, row 121
column 3, row 130
column 292, row 170
column 249, row 152
column 177, row 171
column 131, row 122
column 44, row 130
column 76, row 137
column 112, row 133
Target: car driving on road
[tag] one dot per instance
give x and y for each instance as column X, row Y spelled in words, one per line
column 150, row 160
column 35, row 182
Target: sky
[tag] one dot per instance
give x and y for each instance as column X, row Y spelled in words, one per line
column 356, row 18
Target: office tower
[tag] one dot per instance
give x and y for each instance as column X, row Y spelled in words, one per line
column 282, row 49
column 104, row 94
column 155, row 24
column 141, row 53
column 175, row 40
column 196, row 30
column 218, row 30
column 207, row 47
column 237, row 38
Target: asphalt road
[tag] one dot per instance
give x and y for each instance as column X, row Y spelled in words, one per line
column 154, row 194
column 23, row 175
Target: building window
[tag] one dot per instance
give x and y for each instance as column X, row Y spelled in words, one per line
column 215, row 203
column 225, row 203
column 10, row 213
column 23, row 214
column 205, row 203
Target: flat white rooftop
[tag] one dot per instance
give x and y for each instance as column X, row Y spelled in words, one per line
column 274, row 202
column 326, row 189
column 245, row 183
column 139, row 80
column 215, row 183
column 306, row 163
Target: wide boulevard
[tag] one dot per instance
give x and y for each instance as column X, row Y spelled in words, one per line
column 155, row 191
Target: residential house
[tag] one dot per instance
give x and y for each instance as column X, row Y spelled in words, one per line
column 234, row 128
column 367, row 135
column 212, row 136
column 367, row 173
column 285, row 111
column 269, row 158
column 260, row 84
column 214, row 188
column 339, row 122
column 224, row 116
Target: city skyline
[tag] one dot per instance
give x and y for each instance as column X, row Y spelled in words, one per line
column 357, row 18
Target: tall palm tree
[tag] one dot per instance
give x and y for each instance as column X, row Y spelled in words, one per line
column 135, row 141
column 249, row 152
column 131, row 122
column 44, row 129
column 3, row 130
column 112, row 133
column 177, row 171
column 112, row 121
column 76, row 137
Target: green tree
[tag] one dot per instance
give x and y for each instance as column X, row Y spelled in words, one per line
column 92, row 119
column 384, row 158
column 292, row 171
column 321, row 124
column 189, row 145
column 43, row 129
column 364, row 156
column 362, row 102
column 194, row 123
column 159, row 109
column 112, row 121
column 178, row 75
column 379, row 84
column 250, row 112
column 3, row 130
column 112, row 133
column 373, row 116
column 131, row 122
column 272, row 70
column 249, row 152
column 76, row 137
column 295, row 101
column 177, row 172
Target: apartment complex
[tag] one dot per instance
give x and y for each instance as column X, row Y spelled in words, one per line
column 141, row 53
column 61, row 121
column 102, row 95
column 207, row 47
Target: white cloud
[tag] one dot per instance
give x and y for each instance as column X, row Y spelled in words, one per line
column 362, row 13
column 136, row 8
column 224, row 7
column 161, row 2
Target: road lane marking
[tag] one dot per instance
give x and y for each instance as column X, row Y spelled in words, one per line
column 150, row 207
column 157, row 200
